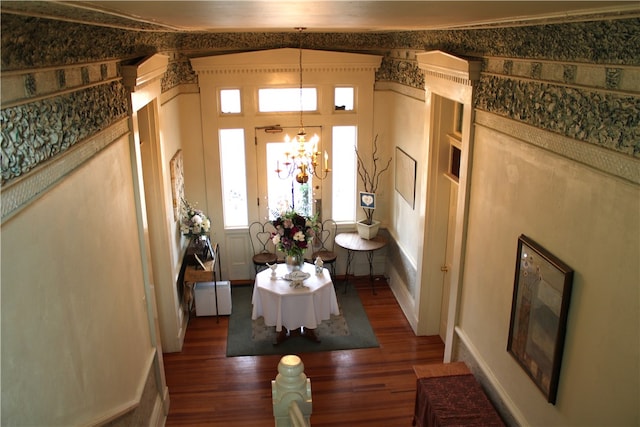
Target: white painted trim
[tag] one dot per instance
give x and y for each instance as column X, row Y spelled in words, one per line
column 126, row 407
column 401, row 89
column 182, row 89
column 160, row 409
column 452, row 78
column 405, row 299
column 145, row 71
column 442, row 63
column 285, row 60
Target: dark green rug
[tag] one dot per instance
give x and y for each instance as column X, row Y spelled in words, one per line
column 349, row 330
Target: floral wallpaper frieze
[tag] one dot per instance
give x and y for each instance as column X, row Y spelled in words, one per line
column 36, row 42
column 401, row 70
column 606, row 119
column 578, row 79
column 178, row 72
column 33, row 133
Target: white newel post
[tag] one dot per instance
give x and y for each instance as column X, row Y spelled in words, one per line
column 291, row 385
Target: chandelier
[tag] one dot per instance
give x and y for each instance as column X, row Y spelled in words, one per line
column 301, row 156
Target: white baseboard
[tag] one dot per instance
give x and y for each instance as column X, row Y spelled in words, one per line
column 404, row 298
column 491, row 378
column 160, row 410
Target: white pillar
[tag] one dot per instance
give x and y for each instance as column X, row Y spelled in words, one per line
column 291, row 384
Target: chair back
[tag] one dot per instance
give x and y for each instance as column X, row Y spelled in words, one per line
column 326, row 235
column 260, row 236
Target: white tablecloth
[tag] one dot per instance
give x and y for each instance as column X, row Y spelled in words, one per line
column 283, row 305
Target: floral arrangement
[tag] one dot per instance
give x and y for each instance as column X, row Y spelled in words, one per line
column 194, row 222
column 294, row 232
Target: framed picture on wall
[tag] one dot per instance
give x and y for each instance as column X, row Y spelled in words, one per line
column 405, row 179
column 177, row 183
column 540, row 304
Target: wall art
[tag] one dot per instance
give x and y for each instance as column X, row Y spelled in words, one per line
column 177, row 183
column 405, row 178
column 541, row 295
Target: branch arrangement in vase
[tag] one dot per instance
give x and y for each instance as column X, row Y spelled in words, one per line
column 371, row 179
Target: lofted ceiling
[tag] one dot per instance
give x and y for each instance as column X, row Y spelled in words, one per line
column 325, row 16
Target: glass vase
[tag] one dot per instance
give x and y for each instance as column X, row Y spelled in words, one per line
column 294, row 262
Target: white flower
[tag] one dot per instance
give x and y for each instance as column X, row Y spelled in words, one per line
column 206, row 224
column 276, row 239
column 299, row 236
column 197, row 219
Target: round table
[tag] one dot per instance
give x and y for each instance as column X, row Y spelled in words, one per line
column 290, row 308
column 353, row 243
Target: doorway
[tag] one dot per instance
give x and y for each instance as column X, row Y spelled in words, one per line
column 279, row 190
column 450, row 145
column 449, row 85
column 439, row 258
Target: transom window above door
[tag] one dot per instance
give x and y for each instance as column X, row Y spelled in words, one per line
column 280, row 100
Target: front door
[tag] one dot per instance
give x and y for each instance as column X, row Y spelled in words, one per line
column 278, row 191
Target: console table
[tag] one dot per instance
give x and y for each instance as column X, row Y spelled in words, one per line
column 195, row 273
column 353, row 243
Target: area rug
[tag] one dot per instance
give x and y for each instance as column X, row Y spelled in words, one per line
column 348, row 330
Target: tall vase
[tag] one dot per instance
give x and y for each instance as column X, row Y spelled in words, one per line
column 294, row 262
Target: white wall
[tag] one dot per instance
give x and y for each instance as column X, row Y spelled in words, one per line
column 179, row 130
column 407, row 115
column 75, row 334
column 590, row 221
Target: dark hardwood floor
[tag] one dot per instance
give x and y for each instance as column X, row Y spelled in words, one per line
column 372, row 387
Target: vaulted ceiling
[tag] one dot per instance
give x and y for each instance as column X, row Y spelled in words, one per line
column 326, row 16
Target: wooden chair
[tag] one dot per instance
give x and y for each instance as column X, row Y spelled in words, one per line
column 325, row 238
column 263, row 249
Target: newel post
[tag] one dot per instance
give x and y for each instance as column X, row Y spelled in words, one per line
column 291, row 393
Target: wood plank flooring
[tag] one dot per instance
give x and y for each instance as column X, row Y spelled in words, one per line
column 372, row 387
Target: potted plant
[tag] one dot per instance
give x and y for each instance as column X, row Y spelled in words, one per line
column 368, row 228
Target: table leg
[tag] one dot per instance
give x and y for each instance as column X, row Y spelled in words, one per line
column 346, row 271
column 370, row 259
column 285, row 334
column 309, row 334
column 282, row 336
column 188, row 297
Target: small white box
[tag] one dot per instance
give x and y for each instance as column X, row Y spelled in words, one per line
column 206, row 301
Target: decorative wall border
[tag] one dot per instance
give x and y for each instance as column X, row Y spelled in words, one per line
column 612, row 78
column 28, row 188
column 25, row 86
column 33, row 133
column 602, row 159
column 596, row 116
column 401, row 67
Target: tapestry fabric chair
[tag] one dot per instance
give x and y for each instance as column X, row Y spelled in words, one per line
column 264, row 252
column 325, row 240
